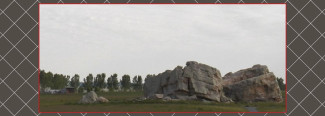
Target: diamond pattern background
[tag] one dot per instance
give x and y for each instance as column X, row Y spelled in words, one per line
column 19, row 57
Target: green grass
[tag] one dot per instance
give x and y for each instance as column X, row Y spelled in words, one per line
column 123, row 102
column 271, row 107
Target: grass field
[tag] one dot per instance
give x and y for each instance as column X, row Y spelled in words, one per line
column 122, row 102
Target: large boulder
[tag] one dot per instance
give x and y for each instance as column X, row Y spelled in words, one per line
column 203, row 81
column 252, row 84
column 90, row 97
column 200, row 81
column 194, row 81
column 151, row 86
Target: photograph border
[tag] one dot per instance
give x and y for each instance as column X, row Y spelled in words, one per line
column 285, row 47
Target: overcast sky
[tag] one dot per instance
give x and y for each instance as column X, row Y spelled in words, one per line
column 149, row 39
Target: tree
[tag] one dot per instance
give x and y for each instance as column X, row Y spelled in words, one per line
column 42, row 78
column 89, row 82
column 126, row 82
column 134, row 82
column 110, row 83
column 65, row 80
column 137, row 82
column 75, row 82
column 81, row 90
column 281, row 84
column 60, row 81
column 48, row 79
column 100, row 81
column 45, row 79
column 114, row 81
column 56, row 81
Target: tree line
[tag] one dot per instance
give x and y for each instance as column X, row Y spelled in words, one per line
column 60, row 81
column 90, row 83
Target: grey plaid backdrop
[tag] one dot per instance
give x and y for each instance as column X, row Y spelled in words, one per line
column 19, row 57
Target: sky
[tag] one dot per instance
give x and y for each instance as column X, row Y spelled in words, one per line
column 149, row 39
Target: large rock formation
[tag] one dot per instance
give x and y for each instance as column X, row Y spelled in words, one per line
column 194, row 81
column 200, row 81
column 252, row 84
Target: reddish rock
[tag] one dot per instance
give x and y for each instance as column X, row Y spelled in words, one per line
column 252, row 84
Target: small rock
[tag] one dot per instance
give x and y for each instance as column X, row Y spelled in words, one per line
column 157, row 96
column 102, row 99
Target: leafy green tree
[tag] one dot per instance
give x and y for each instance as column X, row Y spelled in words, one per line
column 89, row 82
column 75, row 82
column 100, row 81
column 66, row 80
column 110, row 83
column 46, row 79
column 81, row 90
column 115, row 82
column 55, row 81
column 60, row 81
column 281, row 83
column 137, row 82
column 134, row 82
column 126, row 82
column 49, row 78
column 42, row 78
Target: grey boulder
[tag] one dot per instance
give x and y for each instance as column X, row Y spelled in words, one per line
column 195, row 79
column 90, row 97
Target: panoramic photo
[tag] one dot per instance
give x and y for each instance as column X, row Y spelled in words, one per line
column 162, row 58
